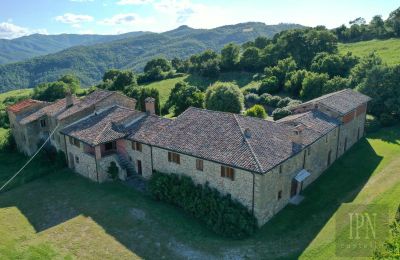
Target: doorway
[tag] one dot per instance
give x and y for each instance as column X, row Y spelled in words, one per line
column 293, row 189
column 139, row 167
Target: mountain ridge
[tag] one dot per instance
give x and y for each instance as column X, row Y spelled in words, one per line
column 90, row 62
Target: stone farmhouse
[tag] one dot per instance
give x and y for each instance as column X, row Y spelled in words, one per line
column 263, row 164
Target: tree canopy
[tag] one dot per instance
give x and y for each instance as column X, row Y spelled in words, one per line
column 224, row 97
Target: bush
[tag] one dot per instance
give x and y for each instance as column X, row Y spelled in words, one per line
column 372, row 124
column 387, row 119
column 391, row 247
column 7, row 142
column 256, row 111
column 269, row 85
column 269, row 100
column 251, row 99
column 225, row 97
column 204, row 203
column 113, row 171
column 280, row 113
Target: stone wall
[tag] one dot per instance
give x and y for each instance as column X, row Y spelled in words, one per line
column 144, row 156
column 241, row 188
column 314, row 159
column 87, row 163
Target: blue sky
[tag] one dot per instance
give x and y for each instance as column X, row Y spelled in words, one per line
column 23, row 17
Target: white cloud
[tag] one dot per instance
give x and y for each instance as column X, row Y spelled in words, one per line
column 134, row 2
column 8, row 30
column 70, row 18
column 127, row 19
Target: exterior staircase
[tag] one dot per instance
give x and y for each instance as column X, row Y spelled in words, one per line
column 127, row 165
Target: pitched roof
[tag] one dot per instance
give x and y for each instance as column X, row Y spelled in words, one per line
column 18, row 107
column 220, row 137
column 146, row 129
column 104, row 126
column 315, row 122
column 86, row 102
column 50, row 110
column 342, row 101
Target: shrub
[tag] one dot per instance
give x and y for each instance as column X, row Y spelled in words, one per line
column 284, row 102
column 7, row 142
column 250, row 90
column 391, row 247
column 269, row 85
column 225, row 97
column 204, row 203
column 251, row 99
column 256, row 111
column 269, row 100
column 387, row 119
column 113, row 171
column 280, row 113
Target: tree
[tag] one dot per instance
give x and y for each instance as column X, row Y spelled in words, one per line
column 295, row 81
column 377, row 27
column 335, row 84
column 206, row 64
column 123, row 79
column 334, row 64
column 149, row 92
column 359, row 72
column 393, row 22
column 184, row 96
column 269, row 85
column 261, row 42
column 312, row 85
column 281, row 71
column 161, row 63
column 56, row 90
column 111, row 75
column 224, row 97
column 230, row 57
column 250, row 59
column 256, row 111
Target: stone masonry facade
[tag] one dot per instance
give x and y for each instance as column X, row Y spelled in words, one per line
column 262, row 164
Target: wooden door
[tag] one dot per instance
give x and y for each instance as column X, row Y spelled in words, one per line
column 139, row 167
column 293, row 190
column 71, row 161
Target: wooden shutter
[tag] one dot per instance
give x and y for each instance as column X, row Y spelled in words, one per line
column 199, row 164
column 139, row 146
column 222, row 171
column 169, row 156
column 178, row 158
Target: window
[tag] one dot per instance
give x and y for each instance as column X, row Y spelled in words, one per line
column 309, row 150
column 76, row 159
column 74, row 141
column 280, row 168
column 43, row 123
column 279, row 195
column 199, row 164
column 136, row 146
column 174, row 157
column 326, row 138
column 227, row 172
column 110, row 146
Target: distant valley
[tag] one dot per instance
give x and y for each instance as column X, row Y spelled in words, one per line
column 96, row 53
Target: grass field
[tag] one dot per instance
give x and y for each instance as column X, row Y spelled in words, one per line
column 388, row 50
column 62, row 215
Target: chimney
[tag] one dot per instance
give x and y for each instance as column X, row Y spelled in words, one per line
column 297, row 136
column 69, row 102
column 247, row 133
column 150, row 105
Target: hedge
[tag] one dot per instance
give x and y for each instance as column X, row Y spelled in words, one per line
column 218, row 212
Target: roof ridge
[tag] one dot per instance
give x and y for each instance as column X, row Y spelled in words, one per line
column 248, row 144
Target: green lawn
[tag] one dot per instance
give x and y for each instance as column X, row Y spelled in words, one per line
column 64, row 215
column 389, row 49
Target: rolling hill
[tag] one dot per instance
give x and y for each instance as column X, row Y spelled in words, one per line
column 388, row 50
column 90, row 62
column 26, row 47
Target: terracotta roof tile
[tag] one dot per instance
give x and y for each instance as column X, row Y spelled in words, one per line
column 18, row 107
